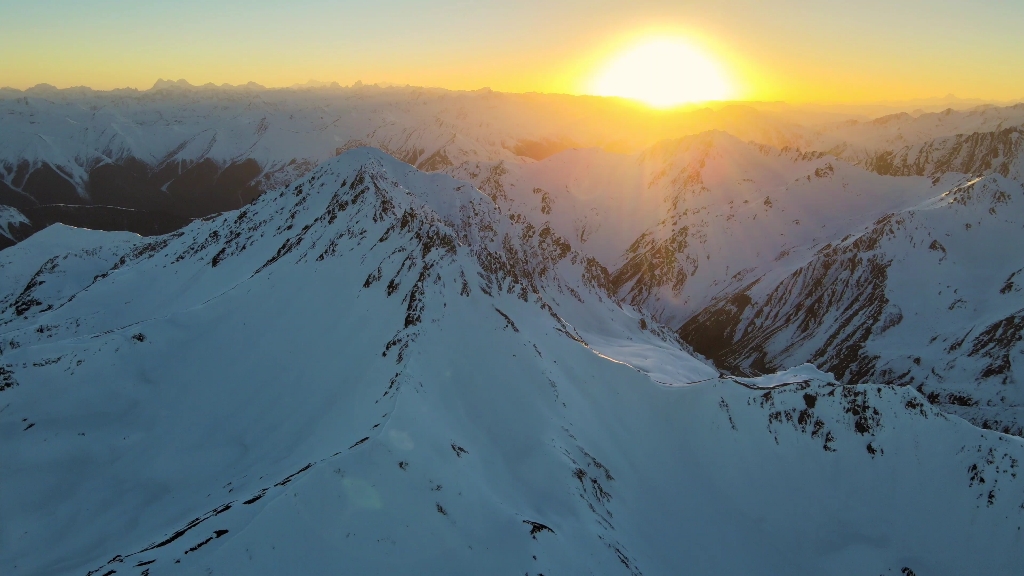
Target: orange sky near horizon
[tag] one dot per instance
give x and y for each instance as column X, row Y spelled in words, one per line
column 827, row 51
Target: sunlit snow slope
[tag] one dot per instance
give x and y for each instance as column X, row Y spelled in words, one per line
column 374, row 371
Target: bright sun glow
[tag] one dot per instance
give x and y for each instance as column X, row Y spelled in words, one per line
column 662, row 72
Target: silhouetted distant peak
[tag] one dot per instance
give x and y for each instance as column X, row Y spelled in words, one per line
column 42, row 89
column 180, row 83
column 316, row 84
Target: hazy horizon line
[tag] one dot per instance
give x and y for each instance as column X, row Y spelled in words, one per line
column 314, row 84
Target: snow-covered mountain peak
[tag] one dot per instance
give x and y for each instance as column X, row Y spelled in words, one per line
column 422, row 233
column 377, row 369
column 383, row 336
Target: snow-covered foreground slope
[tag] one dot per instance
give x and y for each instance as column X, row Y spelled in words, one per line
column 374, row 371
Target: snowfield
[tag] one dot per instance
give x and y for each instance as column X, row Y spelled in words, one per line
column 377, row 370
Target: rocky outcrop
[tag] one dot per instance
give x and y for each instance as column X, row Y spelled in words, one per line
column 979, row 153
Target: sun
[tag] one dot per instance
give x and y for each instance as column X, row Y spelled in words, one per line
column 662, row 72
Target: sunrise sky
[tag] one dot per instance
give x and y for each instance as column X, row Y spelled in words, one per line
column 824, row 51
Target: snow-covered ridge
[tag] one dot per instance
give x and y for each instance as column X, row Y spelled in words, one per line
column 14, row 227
column 863, row 139
column 308, row 221
column 926, row 297
column 1000, row 152
column 375, row 369
column 9, row 220
column 767, row 258
column 678, row 221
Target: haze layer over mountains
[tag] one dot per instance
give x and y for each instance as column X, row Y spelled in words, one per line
column 369, row 330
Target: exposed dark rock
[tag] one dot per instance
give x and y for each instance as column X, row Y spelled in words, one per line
column 18, row 231
column 437, row 161
column 284, row 481
column 537, row 528
column 204, row 188
column 48, row 186
column 840, row 292
column 7, row 378
column 652, row 263
column 142, row 222
column 713, row 333
column 256, row 497
column 126, row 185
column 977, row 153
column 541, row 149
column 15, row 198
column 996, row 342
column 192, row 191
